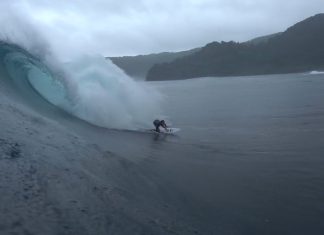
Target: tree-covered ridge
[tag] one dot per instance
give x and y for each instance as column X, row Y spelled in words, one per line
column 138, row 66
column 299, row 48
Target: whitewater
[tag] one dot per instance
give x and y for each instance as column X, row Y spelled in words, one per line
column 83, row 83
column 91, row 88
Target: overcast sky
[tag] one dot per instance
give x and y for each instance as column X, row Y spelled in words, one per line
column 130, row 27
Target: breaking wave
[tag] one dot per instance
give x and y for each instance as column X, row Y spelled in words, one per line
column 89, row 87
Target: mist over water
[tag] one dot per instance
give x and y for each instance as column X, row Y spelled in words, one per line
column 103, row 94
column 83, row 83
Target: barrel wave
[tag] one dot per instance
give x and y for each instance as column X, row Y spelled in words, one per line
column 89, row 87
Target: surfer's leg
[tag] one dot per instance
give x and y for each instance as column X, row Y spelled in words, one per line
column 157, row 129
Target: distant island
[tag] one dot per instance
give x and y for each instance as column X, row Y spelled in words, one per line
column 138, row 66
column 300, row 48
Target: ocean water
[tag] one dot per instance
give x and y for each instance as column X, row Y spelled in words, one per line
column 249, row 158
column 251, row 152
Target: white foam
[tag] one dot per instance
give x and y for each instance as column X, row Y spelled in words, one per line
column 94, row 88
column 316, row 72
column 104, row 95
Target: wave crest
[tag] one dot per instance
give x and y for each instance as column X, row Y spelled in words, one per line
column 90, row 87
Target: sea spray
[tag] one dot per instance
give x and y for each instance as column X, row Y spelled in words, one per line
column 87, row 86
column 104, row 95
column 91, row 88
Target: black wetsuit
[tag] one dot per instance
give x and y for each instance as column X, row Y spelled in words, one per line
column 158, row 123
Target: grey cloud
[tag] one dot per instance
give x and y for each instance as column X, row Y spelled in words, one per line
column 136, row 27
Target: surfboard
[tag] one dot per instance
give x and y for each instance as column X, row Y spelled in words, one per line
column 171, row 130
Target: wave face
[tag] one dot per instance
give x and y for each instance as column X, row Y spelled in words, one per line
column 89, row 87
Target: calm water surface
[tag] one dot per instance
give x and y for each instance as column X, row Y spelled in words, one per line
column 249, row 158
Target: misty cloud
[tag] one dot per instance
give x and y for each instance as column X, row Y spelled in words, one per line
column 137, row 27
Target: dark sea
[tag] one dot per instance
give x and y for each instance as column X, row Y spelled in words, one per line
column 249, row 158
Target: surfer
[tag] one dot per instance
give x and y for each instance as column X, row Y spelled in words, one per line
column 157, row 123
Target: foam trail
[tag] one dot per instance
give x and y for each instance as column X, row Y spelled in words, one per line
column 316, row 72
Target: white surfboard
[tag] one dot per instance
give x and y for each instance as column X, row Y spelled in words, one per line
column 170, row 130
